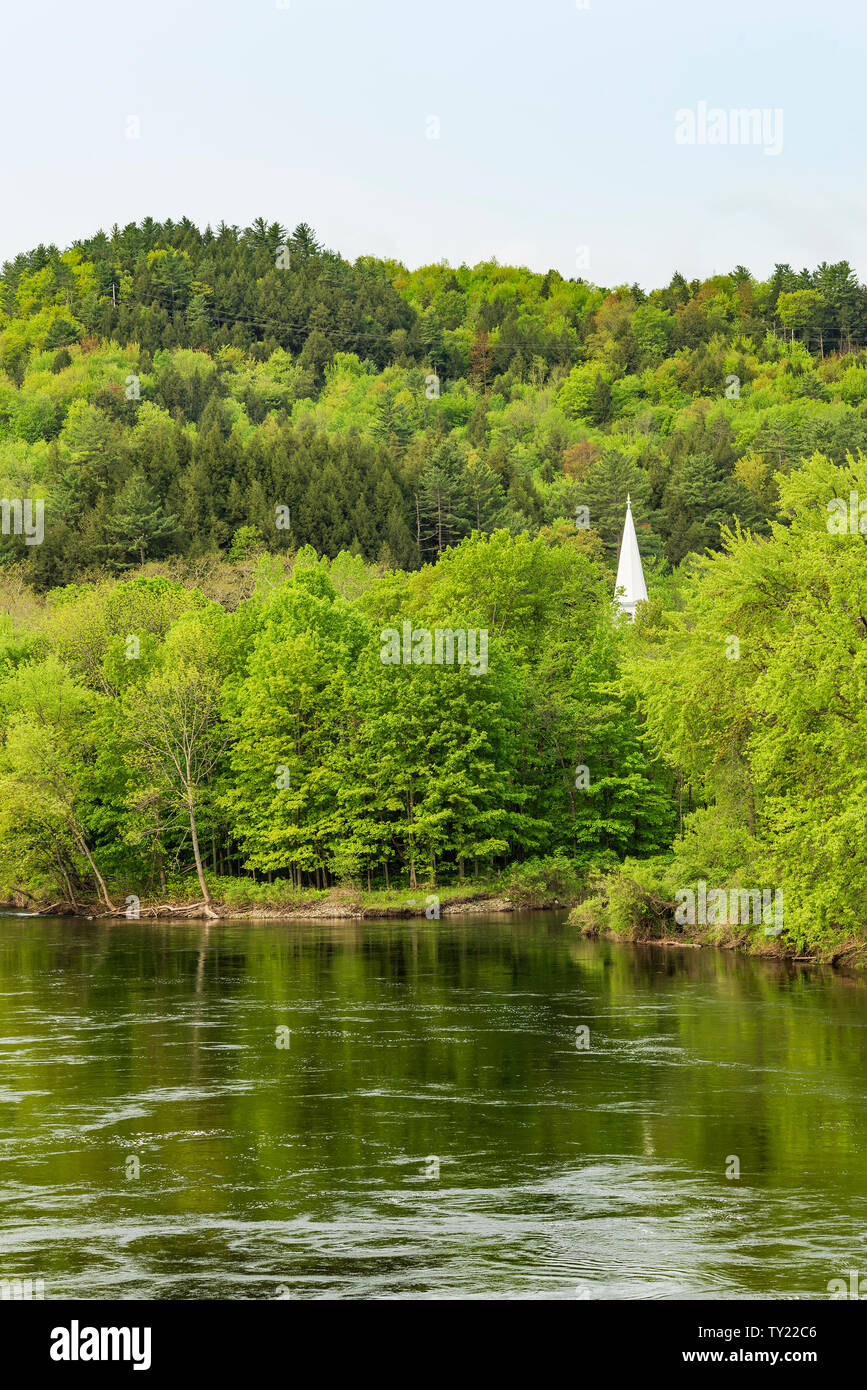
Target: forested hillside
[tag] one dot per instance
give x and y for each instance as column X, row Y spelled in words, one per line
column 166, row 390
column 257, row 459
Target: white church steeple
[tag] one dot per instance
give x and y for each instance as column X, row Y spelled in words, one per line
column 630, row 575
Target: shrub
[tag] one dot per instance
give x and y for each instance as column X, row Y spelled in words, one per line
column 539, row 880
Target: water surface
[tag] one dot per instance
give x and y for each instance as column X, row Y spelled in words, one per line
column 431, row 1127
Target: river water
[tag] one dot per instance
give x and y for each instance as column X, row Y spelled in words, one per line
column 381, row 1109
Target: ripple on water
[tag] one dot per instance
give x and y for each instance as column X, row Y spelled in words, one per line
column 558, row 1174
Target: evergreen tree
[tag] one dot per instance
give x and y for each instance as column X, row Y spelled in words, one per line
column 138, row 525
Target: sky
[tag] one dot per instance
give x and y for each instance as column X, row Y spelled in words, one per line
column 547, row 134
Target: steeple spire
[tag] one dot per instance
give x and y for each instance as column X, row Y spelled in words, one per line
column 630, row 575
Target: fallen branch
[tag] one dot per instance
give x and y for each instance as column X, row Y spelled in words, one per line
column 187, row 907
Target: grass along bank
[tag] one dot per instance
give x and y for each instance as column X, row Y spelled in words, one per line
column 539, row 883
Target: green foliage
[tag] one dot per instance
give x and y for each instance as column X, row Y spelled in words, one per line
column 291, row 453
column 539, row 881
column 138, row 525
column 634, row 901
column 271, row 739
column 755, row 692
column 390, row 412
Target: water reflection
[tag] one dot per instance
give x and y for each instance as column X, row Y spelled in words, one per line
column 306, row 1170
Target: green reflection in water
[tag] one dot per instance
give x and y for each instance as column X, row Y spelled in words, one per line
column 431, row 1128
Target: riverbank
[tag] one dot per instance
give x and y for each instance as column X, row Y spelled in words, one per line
column 851, row 954
column 614, row 907
column 622, row 910
column 554, row 882
column 336, row 904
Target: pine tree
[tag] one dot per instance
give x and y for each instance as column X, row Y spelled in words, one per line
column 138, row 525
column 443, row 499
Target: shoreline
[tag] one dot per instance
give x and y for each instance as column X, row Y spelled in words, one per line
column 618, row 907
column 321, row 907
column 851, row 956
column 349, row 906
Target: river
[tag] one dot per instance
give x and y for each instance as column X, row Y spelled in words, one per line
column 412, row 1109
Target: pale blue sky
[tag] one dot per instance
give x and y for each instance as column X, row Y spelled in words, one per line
column 556, row 127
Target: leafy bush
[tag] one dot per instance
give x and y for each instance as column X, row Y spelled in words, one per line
column 540, row 880
column 636, row 899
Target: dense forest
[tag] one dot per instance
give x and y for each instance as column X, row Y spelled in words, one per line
column 254, row 456
column 166, row 390
column 148, row 728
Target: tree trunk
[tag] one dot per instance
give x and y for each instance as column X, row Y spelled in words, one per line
column 68, row 884
column 410, row 847
column 198, row 858
column 97, row 875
